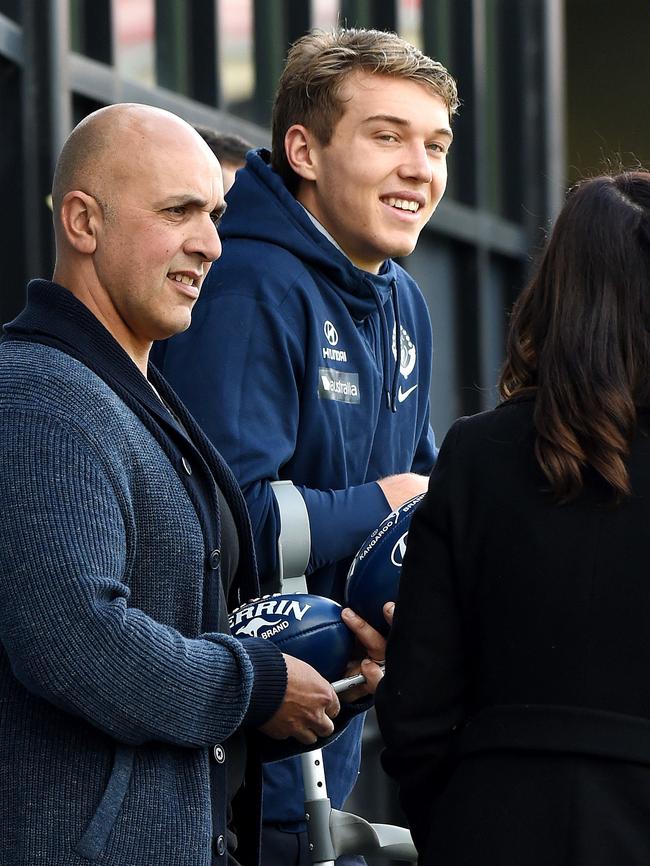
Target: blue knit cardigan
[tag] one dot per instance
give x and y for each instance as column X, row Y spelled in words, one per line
column 111, row 697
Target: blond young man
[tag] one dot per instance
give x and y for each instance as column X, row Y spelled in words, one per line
column 310, row 355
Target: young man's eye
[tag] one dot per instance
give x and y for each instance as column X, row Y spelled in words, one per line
column 435, row 147
column 387, row 136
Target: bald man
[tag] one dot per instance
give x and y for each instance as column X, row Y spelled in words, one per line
column 127, row 710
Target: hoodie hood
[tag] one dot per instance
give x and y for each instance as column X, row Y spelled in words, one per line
column 260, row 207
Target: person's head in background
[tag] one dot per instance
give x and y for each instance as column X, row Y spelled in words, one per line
column 230, row 150
column 580, row 334
column 360, row 133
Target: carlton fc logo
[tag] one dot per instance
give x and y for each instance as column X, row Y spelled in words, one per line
column 407, row 360
column 408, row 354
column 331, row 334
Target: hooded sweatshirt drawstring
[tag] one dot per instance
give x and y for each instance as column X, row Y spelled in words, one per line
column 398, row 344
column 390, row 381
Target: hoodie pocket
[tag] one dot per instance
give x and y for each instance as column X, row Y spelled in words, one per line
column 95, row 837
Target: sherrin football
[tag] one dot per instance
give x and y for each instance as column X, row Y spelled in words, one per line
column 308, row 627
column 373, row 577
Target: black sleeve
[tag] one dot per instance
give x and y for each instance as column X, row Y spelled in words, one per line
column 420, row 700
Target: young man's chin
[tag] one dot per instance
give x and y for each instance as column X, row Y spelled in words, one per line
column 402, row 250
column 403, row 243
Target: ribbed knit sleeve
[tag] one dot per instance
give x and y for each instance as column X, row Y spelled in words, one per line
column 270, row 680
column 66, row 620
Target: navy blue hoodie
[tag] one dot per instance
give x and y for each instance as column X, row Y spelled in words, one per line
column 295, row 369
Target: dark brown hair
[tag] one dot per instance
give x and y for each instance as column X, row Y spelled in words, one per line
column 580, row 334
column 226, row 146
column 317, row 65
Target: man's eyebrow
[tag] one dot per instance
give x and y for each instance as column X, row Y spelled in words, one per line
column 182, row 201
column 445, row 131
column 402, row 121
column 388, row 118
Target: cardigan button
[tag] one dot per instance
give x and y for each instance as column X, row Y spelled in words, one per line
column 219, row 753
column 215, row 559
column 220, row 845
column 186, row 465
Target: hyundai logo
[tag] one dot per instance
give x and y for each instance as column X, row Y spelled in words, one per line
column 331, row 333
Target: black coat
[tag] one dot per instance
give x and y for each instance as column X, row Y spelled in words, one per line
column 516, row 703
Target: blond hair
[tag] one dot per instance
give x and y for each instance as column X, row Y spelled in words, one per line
column 316, row 68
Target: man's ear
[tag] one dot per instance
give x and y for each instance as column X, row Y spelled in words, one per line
column 80, row 218
column 301, row 154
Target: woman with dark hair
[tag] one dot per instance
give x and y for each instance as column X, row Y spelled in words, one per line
column 516, row 703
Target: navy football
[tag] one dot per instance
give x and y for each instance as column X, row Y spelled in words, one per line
column 373, row 577
column 308, row 627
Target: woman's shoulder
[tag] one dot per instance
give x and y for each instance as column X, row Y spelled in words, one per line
column 509, row 421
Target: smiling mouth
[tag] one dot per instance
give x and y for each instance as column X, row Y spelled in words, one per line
column 183, row 278
column 402, row 204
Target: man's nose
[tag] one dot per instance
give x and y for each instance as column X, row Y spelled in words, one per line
column 206, row 241
column 417, row 164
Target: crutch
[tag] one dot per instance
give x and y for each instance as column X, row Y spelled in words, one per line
column 331, row 832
